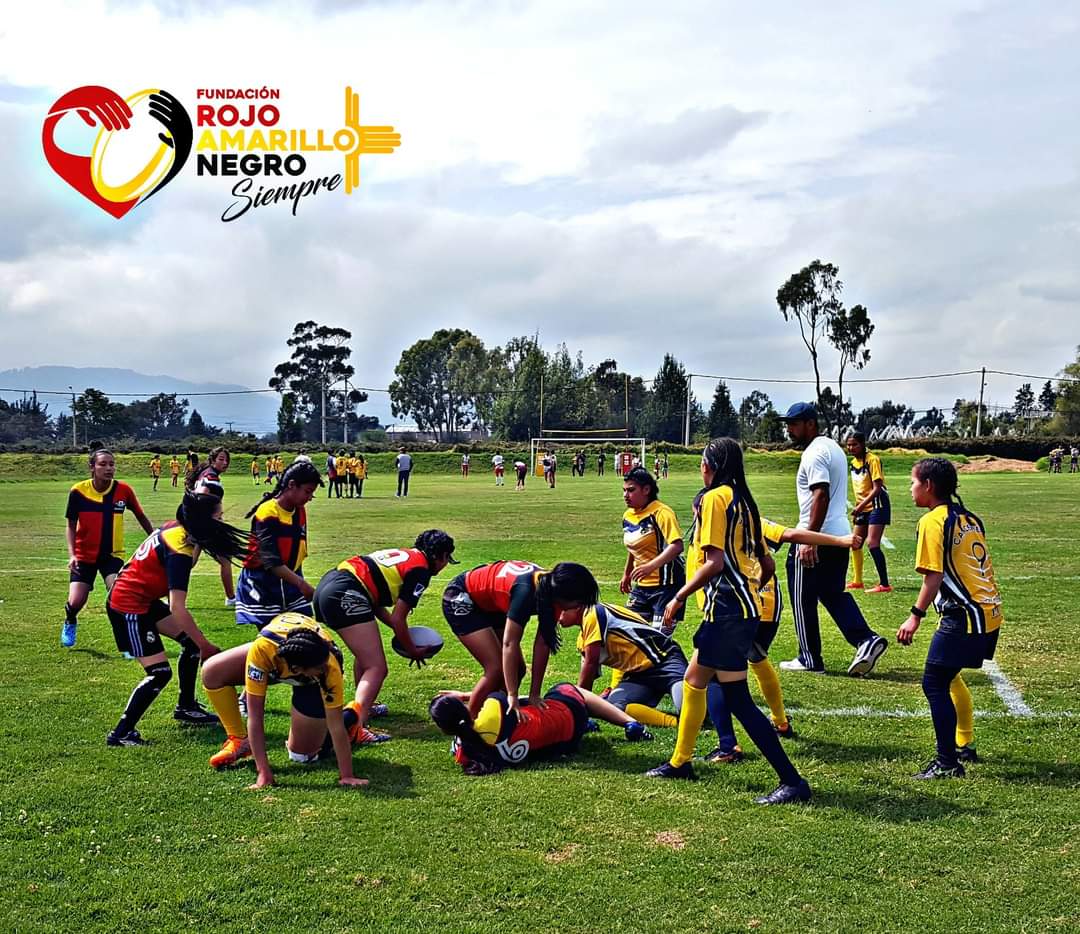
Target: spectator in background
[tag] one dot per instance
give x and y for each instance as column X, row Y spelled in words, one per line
column 404, row 468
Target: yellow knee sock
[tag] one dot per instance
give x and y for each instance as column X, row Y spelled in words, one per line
column 227, row 706
column 690, row 720
column 770, row 689
column 650, row 716
column 965, row 711
column 857, row 560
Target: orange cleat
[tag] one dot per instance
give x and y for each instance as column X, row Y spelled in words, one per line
column 855, row 585
column 234, row 749
column 880, row 588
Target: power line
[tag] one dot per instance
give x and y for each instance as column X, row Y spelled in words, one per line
column 811, row 382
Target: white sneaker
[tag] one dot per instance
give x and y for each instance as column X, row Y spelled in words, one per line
column 867, row 655
column 794, row 664
column 230, row 601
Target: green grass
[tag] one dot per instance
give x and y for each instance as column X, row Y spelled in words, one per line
column 113, row 839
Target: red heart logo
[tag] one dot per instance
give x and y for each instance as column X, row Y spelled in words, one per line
column 103, row 108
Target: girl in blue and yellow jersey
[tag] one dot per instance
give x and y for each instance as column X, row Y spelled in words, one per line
column 95, row 534
column 255, row 472
column 872, row 511
column 772, row 605
column 292, row 649
column 149, row 600
column 655, row 567
column 730, row 557
column 386, row 586
column 646, row 665
column 504, row 735
column 174, row 470
column 958, row 578
column 272, row 581
column 155, row 469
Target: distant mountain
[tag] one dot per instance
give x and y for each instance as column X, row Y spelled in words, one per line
column 256, row 413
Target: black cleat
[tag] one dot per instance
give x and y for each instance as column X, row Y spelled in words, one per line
column 787, row 794
column 936, row 770
column 130, row 738
column 966, row 753
column 196, row 715
column 788, row 731
column 667, row 770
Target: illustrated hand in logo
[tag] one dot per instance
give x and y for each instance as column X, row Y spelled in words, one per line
column 102, row 106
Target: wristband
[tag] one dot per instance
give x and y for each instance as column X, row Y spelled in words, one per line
column 917, row 613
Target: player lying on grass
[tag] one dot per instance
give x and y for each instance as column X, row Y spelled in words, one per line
column 772, row 605
column 502, row 735
column 292, row 649
column 731, row 562
column 383, row 586
column 958, row 578
column 95, row 534
column 646, row 665
column 160, row 569
column 488, row 608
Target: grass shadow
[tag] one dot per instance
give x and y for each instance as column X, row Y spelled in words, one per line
column 895, row 807
column 850, row 752
column 387, row 779
column 99, row 655
column 1030, row 772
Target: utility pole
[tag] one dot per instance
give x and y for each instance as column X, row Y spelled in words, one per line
column 230, row 427
column 978, row 414
column 323, row 393
column 541, row 402
column 345, row 415
column 627, row 402
column 686, row 435
column 74, row 435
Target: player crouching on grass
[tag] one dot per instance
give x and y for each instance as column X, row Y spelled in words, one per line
column 958, row 578
column 159, row 569
column 293, row 650
column 502, row 735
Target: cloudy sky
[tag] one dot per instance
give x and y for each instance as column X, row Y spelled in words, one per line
column 626, row 178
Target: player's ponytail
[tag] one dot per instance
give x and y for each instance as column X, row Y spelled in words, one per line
column 725, row 460
column 298, row 472
column 452, row 717
column 218, row 539
column 567, row 583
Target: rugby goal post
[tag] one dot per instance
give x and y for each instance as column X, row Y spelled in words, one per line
column 566, row 443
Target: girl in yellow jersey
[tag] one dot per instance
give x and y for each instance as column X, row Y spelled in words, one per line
column 872, row 511
column 730, row 565
column 255, row 472
column 155, row 469
column 292, row 649
column 655, row 567
column 958, row 578
column 174, row 470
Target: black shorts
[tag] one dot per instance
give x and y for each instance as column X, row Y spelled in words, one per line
column 84, row 573
column 879, row 513
column 726, row 644
column 342, row 601
column 137, row 633
column 308, row 700
column 651, row 686
column 650, row 602
column 952, row 646
column 463, row 616
column 763, row 638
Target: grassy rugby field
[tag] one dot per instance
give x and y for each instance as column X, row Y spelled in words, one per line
column 95, row 838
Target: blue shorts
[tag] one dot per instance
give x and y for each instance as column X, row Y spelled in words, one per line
column 954, row 647
column 650, row 602
column 726, row 644
column 261, row 595
column 879, row 513
column 651, row 686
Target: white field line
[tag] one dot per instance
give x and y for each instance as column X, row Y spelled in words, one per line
column 1008, row 692
column 924, row 714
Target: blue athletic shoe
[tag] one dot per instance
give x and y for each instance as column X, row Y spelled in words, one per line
column 636, row 732
column 67, row 634
column 591, row 726
column 667, row 770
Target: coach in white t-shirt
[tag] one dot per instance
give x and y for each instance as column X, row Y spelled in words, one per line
column 819, row 573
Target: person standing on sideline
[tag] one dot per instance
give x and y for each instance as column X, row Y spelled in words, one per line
column 404, row 468
column 174, row 469
column 498, row 464
column 465, row 465
column 155, row 469
column 521, row 469
column 331, row 474
column 600, row 458
column 818, row 573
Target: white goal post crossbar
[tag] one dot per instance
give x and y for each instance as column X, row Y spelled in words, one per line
column 537, row 447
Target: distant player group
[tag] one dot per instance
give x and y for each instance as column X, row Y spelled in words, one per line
column 725, row 563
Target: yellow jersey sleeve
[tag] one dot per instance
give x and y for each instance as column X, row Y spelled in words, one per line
column 713, row 529
column 874, row 463
column 334, row 695
column 590, row 630
column 669, row 524
column 773, row 533
column 261, row 663
column 930, row 546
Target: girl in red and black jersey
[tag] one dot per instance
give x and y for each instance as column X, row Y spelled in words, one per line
column 386, row 586
column 488, row 608
column 206, row 478
column 502, row 735
column 158, row 571
column 95, row 534
column 272, row 580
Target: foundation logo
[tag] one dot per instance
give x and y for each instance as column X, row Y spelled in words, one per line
column 144, row 141
column 141, row 145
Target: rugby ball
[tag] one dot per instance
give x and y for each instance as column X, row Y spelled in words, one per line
column 424, row 638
